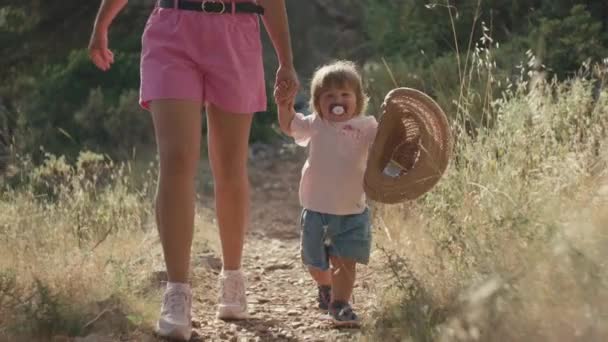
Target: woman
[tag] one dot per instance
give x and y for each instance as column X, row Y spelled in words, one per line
column 202, row 55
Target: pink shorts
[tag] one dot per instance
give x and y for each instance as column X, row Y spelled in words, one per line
column 212, row 58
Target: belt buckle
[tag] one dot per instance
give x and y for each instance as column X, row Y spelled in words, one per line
column 207, row 1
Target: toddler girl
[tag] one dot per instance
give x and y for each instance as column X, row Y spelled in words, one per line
column 335, row 220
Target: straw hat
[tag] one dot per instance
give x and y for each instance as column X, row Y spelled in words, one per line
column 411, row 149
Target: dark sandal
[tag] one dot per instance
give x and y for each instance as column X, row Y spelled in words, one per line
column 342, row 315
column 324, row 297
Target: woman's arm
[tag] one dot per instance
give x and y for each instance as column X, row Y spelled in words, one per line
column 98, row 45
column 276, row 23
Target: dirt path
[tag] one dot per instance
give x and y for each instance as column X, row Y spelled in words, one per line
column 281, row 297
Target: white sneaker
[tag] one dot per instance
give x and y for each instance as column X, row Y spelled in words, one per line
column 175, row 320
column 232, row 299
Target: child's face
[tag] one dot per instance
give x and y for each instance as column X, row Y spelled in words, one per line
column 338, row 104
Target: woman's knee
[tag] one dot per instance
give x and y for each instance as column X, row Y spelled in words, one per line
column 178, row 160
column 229, row 169
column 177, row 126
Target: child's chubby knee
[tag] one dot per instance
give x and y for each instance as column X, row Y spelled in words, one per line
column 317, row 268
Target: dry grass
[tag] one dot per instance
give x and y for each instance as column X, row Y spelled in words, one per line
column 78, row 249
column 511, row 245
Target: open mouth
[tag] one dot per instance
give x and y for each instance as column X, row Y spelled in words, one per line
column 337, row 109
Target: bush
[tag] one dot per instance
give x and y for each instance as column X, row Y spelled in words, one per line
column 54, row 112
column 73, row 243
column 563, row 44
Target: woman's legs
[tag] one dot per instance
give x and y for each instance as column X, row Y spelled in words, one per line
column 228, row 135
column 177, row 124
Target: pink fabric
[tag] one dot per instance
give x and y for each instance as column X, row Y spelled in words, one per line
column 207, row 57
column 332, row 177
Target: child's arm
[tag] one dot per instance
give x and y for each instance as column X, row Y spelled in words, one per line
column 286, row 115
column 285, row 109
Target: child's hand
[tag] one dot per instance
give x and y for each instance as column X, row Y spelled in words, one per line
column 283, row 93
column 285, row 106
column 287, row 81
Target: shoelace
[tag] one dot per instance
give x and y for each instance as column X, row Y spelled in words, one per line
column 176, row 303
column 231, row 291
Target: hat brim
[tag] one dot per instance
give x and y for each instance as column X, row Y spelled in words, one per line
column 434, row 147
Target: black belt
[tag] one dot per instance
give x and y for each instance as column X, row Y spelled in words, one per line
column 216, row 7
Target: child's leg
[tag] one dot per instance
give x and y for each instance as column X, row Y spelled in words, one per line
column 321, row 277
column 342, row 278
column 343, row 281
column 314, row 254
column 312, row 248
column 350, row 244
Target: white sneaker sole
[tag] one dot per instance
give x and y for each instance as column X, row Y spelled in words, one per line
column 173, row 331
column 231, row 312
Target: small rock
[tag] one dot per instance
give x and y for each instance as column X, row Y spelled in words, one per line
column 210, row 261
column 293, row 313
column 158, row 277
column 261, row 328
column 279, row 266
column 296, row 325
column 93, row 338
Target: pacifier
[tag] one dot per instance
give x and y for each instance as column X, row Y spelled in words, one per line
column 338, row 110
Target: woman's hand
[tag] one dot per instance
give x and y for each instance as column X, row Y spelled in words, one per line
column 99, row 53
column 98, row 45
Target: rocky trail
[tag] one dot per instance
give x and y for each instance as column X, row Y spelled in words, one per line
column 281, row 295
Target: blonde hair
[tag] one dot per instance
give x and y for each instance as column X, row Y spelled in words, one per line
column 339, row 74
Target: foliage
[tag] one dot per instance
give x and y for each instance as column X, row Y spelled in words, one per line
column 55, row 97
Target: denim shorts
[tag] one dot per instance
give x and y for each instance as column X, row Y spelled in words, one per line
column 325, row 235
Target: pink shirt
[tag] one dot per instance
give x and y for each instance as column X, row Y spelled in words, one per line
column 332, row 177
